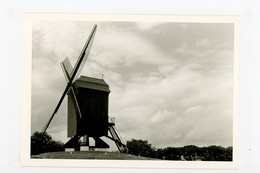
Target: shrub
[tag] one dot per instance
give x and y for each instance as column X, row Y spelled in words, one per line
column 42, row 142
column 140, row 148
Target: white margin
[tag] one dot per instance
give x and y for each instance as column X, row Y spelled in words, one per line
column 26, row 92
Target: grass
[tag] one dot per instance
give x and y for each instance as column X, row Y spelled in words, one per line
column 89, row 155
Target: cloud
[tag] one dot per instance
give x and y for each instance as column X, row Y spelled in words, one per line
column 171, row 83
column 202, row 43
column 162, row 116
column 147, row 25
column 126, row 50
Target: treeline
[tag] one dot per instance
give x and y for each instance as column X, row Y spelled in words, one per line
column 42, row 143
column 189, row 152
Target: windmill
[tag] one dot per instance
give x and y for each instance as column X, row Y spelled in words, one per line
column 87, row 105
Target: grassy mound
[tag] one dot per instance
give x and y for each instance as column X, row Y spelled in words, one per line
column 102, row 155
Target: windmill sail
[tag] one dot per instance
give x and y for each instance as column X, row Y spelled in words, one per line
column 82, row 63
column 66, row 68
column 82, row 58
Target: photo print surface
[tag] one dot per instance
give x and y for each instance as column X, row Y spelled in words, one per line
column 169, row 89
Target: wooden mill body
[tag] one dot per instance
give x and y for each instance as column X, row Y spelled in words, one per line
column 92, row 96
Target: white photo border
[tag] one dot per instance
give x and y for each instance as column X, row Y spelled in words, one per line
column 28, row 18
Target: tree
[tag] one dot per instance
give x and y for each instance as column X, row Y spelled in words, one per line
column 210, row 153
column 172, row 153
column 160, row 153
column 140, row 148
column 190, row 151
column 215, row 153
column 42, row 142
column 228, row 153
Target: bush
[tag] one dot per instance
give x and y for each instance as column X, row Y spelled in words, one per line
column 140, row 148
column 42, row 142
column 189, row 152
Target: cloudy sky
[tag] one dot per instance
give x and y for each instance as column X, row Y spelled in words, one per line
column 171, row 83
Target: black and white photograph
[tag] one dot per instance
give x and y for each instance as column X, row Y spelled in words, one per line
column 158, row 90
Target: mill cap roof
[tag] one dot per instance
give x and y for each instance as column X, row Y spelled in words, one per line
column 91, row 83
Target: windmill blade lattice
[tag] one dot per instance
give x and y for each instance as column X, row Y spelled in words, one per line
column 66, row 68
column 79, row 65
column 84, row 59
